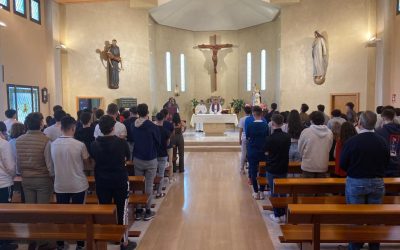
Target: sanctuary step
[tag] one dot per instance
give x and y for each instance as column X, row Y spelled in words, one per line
column 192, row 146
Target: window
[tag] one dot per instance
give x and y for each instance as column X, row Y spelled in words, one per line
column 263, row 69
column 24, row 99
column 183, row 75
column 168, row 71
column 398, row 7
column 248, row 82
column 20, row 8
column 5, row 4
column 35, row 11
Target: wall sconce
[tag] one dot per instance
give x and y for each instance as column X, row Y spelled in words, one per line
column 45, row 95
column 372, row 41
column 61, row 46
column 2, row 24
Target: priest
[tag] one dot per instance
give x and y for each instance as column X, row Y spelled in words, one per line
column 199, row 110
column 216, row 107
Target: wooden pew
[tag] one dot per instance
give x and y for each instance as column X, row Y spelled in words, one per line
column 95, row 224
column 324, row 223
column 295, row 187
column 293, row 168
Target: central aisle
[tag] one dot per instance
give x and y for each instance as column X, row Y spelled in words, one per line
column 209, row 207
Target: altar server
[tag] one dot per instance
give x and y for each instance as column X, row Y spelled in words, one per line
column 216, row 107
column 200, row 109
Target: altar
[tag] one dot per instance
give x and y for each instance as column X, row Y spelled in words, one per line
column 214, row 125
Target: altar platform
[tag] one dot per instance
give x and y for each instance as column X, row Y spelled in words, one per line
column 198, row 142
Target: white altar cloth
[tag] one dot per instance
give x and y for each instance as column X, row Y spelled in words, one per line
column 211, row 118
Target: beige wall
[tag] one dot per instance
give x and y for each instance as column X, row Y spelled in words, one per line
column 87, row 27
column 346, row 24
column 23, row 51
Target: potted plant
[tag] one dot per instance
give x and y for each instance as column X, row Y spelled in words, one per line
column 194, row 102
column 237, row 105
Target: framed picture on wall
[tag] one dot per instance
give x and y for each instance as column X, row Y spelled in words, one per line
column 398, row 7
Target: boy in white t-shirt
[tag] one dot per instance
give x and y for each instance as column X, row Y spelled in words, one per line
column 119, row 128
column 69, row 157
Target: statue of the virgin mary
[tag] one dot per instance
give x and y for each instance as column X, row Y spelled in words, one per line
column 256, row 97
column 320, row 58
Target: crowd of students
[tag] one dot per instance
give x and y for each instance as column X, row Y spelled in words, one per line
column 365, row 146
column 56, row 157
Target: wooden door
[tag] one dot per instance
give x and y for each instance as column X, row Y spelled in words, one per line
column 338, row 101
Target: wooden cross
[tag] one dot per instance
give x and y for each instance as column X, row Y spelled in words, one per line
column 215, row 48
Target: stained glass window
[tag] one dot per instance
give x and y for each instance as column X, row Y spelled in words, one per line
column 24, row 99
column 5, row 4
column 263, row 69
column 398, row 7
column 248, row 81
column 20, row 7
column 183, row 75
column 168, row 70
column 35, row 11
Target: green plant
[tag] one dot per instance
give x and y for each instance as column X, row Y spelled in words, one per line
column 237, row 105
column 194, row 102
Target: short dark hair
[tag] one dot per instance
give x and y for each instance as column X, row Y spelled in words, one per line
column 160, row 116
column 143, row 110
column 397, row 110
column 49, row 120
column 78, row 114
column 112, row 109
column 274, row 106
column 321, row 108
column 33, row 121
column 59, row 114
column 277, row 119
column 176, row 118
column 121, row 110
column 336, row 113
column 388, row 114
column 247, row 110
column 56, row 108
column 85, row 118
column 99, row 113
column 257, row 110
column 68, row 123
column 379, row 110
column 10, row 113
column 368, row 120
column 133, row 110
column 350, row 105
column 317, row 118
column 126, row 114
column 165, row 112
column 106, row 124
column 17, row 129
column 3, row 127
column 304, row 108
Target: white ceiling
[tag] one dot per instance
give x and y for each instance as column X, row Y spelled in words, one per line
column 214, row 15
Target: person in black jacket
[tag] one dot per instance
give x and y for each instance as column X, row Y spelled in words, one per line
column 390, row 131
column 364, row 157
column 277, row 148
column 110, row 153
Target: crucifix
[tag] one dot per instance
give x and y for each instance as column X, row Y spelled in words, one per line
column 215, row 48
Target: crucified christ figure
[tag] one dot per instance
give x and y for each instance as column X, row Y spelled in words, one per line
column 215, row 48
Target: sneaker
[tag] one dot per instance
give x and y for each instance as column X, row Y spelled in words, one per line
column 262, row 195
column 149, row 215
column 256, row 196
column 79, row 248
column 138, row 216
column 275, row 219
column 131, row 245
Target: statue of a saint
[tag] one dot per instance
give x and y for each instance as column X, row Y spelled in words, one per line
column 113, row 61
column 256, row 96
column 320, row 58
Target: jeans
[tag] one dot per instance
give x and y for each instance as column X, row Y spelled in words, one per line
column 254, row 160
column 243, row 156
column 67, row 198
column 179, row 148
column 294, row 154
column 37, row 190
column 278, row 212
column 162, row 164
column 364, row 191
column 148, row 169
column 120, row 196
column 5, row 197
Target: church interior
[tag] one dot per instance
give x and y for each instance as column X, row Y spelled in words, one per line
column 87, row 54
